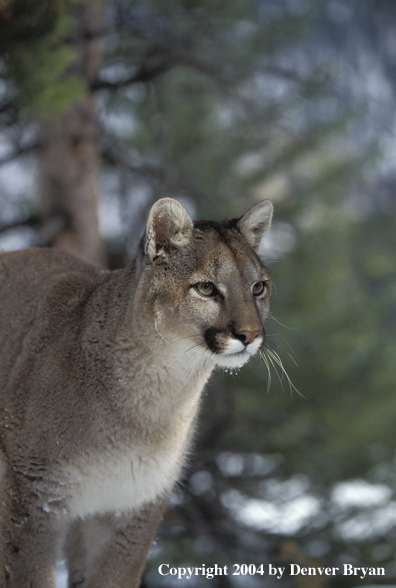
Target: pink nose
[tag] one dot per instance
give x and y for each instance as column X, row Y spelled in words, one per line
column 248, row 336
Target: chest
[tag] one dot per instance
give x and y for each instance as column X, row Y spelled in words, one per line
column 129, row 474
column 123, row 481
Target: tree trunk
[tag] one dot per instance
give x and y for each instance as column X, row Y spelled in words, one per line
column 68, row 171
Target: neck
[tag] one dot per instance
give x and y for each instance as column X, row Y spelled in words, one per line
column 161, row 378
column 156, row 379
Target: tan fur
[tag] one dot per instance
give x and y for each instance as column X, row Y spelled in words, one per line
column 100, row 379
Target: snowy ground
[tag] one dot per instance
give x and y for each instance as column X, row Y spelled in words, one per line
column 61, row 576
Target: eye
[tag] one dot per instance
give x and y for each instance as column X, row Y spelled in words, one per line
column 258, row 288
column 205, row 288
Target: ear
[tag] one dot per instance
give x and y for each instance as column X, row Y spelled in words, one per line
column 255, row 223
column 169, row 226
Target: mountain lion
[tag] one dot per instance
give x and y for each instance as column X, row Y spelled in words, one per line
column 101, row 374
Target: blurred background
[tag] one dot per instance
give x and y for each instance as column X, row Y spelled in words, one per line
column 108, row 105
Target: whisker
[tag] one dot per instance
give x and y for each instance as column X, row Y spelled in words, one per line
column 193, row 369
column 271, row 344
column 292, row 358
column 192, row 347
column 271, row 316
column 162, row 337
column 290, row 347
column 265, row 359
column 274, row 357
column 185, row 338
column 178, row 356
column 270, row 359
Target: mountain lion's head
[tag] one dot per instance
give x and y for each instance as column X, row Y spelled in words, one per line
column 204, row 281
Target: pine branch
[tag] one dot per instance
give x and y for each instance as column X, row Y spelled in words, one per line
column 32, row 221
column 116, row 158
column 144, row 74
column 47, row 229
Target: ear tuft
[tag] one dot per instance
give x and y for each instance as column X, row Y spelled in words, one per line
column 255, row 223
column 169, row 227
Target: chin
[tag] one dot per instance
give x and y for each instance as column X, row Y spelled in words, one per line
column 232, row 360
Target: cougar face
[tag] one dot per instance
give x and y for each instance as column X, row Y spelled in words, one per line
column 220, row 291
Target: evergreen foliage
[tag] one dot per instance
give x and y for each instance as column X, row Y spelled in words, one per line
column 37, row 56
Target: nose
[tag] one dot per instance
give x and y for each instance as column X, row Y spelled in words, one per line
column 248, row 336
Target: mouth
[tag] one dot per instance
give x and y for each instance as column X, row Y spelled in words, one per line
column 235, row 353
column 235, row 359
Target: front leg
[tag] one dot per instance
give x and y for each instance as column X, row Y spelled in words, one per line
column 110, row 551
column 29, row 537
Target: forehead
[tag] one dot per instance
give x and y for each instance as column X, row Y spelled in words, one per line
column 225, row 253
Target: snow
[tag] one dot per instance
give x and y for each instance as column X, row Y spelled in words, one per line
column 61, row 575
